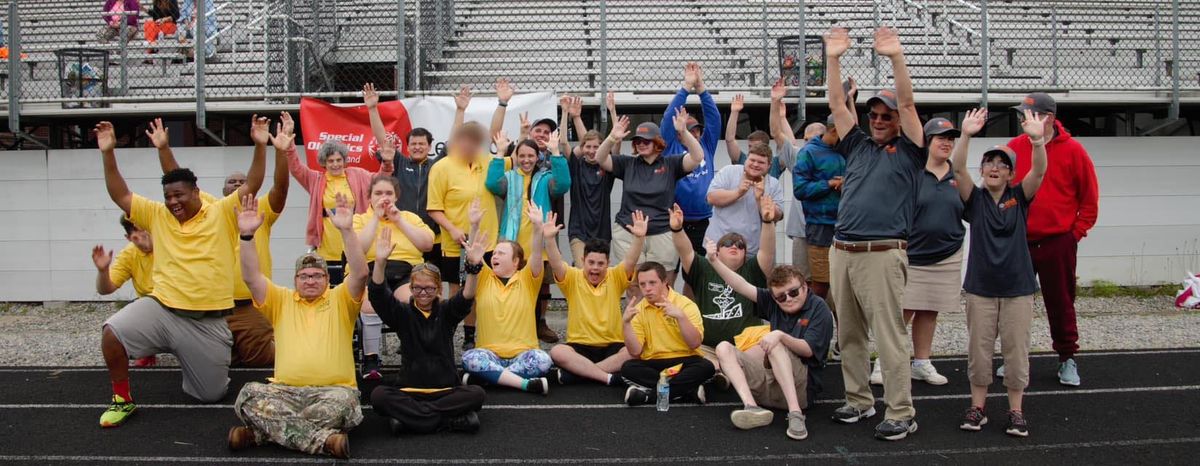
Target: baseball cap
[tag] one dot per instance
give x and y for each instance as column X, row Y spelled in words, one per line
column 1037, row 102
column 546, row 121
column 311, row 261
column 941, row 127
column 692, row 123
column 886, row 96
column 1002, row 150
column 830, row 121
column 647, row 130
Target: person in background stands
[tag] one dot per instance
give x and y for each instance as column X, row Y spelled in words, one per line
column 187, row 20
column 691, row 191
column 817, row 181
column 114, row 15
column 163, row 15
column 591, row 185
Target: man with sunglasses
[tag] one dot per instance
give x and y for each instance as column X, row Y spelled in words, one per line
column 868, row 261
column 1059, row 218
column 784, row 370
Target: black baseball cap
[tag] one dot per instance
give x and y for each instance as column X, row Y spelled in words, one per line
column 1037, row 102
column 886, row 96
column 941, row 127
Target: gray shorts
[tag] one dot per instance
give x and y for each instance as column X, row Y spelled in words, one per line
column 202, row 345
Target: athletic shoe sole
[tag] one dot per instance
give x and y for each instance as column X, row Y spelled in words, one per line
column 1016, row 433
column 912, row 428
column 851, row 420
column 972, row 427
column 797, row 436
column 746, row 419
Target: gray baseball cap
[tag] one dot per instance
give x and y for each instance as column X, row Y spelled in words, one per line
column 941, row 127
column 886, row 96
column 1037, row 102
column 546, row 121
column 647, row 130
column 1004, row 151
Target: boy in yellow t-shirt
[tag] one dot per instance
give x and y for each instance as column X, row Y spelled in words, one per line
column 661, row 330
column 134, row 262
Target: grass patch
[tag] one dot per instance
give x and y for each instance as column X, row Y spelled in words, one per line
column 1107, row 289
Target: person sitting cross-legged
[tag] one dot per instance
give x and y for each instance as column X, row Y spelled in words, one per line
column 312, row 399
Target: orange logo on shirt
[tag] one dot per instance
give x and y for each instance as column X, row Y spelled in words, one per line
column 660, row 170
column 953, row 183
column 1007, row 204
column 890, row 148
column 803, row 322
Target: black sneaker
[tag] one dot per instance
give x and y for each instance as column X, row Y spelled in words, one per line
column 562, row 377
column 370, row 369
column 891, row 429
column 849, row 415
column 637, row 396
column 973, row 420
column 468, row 344
column 472, row 379
column 395, row 426
column 468, row 423
column 1016, row 424
column 721, row 382
column 539, row 385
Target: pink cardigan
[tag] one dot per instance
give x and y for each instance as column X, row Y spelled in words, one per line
column 313, row 181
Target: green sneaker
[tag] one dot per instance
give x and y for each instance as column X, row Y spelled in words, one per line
column 117, row 413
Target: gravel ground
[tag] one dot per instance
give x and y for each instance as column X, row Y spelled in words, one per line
column 68, row 334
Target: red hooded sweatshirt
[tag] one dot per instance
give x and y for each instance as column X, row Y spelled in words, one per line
column 1069, row 198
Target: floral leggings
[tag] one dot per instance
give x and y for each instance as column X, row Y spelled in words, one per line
column 484, row 363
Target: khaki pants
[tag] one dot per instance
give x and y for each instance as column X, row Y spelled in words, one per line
column 1006, row 318
column 800, row 255
column 868, row 288
column 766, row 389
column 657, row 248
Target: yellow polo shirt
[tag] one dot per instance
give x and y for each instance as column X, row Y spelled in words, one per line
column 659, row 334
column 132, row 263
column 594, row 312
column 331, row 246
column 312, row 338
column 262, row 245
column 193, row 261
column 453, row 185
column 505, row 313
column 405, row 249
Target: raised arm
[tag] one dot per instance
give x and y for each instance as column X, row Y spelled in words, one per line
column 633, row 343
column 260, row 132
column 687, row 329
column 837, row 42
column 461, row 101
column 887, row 43
column 781, row 130
column 971, row 125
column 537, row 244
column 1034, row 126
column 356, row 260
column 103, row 261
column 770, row 213
column 249, row 219
column 557, row 266
column 118, row 190
column 368, row 229
column 695, row 153
column 610, row 101
column 371, row 100
column 562, row 145
column 683, row 245
column 604, row 152
column 736, row 282
column 504, row 92
column 638, row 230
column 712, row 116
column 677, row 102
column 575, row 112
column 560, row 173
column 731, row 145
column 159, row 137
column 284, row 141
column 474, row 251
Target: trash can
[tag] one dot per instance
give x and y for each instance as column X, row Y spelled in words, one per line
column 802, row 60
column 82, row 73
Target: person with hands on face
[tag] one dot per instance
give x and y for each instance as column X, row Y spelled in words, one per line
column 736, row 193
column 1000, row 280
column 595, row 347
column 784, row 371
column 134, row 262
column 507, row 352
column 312, row 399
column 426, row 396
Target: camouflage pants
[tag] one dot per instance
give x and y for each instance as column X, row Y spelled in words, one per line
column 300, row 418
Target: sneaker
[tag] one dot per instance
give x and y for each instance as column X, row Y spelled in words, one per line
column 472, row 379
column 1068, row 373
column 395, row 426
column 796, row 429
column 615, row 380
column 241, row 438
column 1000, row 371
column 928, row 373
column 751, row 417
column 468, row 344
column 468, row 423
column 1016, row 424
column 337, row 445
column 118, row 412
column 721, row 381
column 892, row 429
column 562, row 376
column 546, row 334
column 148, row 361
column 849, row 415
column 371, row 367
column 699, row 396
column 538, row 385
column 973, row 420
column 636, row 396
column 876, row 374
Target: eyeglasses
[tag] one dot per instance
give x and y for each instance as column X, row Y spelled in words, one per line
column 310, row 277
column 880, row 116
column 997, row 165
column 424, row 290
column 732, row 243
column 792, row 293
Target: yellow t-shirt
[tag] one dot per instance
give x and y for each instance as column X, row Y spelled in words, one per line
column 594, row 312
column 453, row 185
column 193, row 261
column 659, row 334
column 505, row 312
column 312, row 338
column 331, row 246
column 750, row 337
column 132, row 263
column 405, row 250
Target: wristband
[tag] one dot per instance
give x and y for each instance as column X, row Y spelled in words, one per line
column 502, row 104
column 1039, row 142
column 473, row 269
column 674, row 230
column 249, row 237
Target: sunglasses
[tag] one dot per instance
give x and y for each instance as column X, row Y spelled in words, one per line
column 880, row 116
column 792, row 293
column 732, row 243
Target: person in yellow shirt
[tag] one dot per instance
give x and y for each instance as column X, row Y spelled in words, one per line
column 413, row 239
column 312, row 400
column 508, row 352
column 193, row 283
column 661, row 330
column 595, row 347
column 134, row 262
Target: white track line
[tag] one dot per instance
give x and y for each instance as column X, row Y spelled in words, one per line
column 842, row 454
column 1092, row 391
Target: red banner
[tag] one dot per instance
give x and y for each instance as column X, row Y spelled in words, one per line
column 322, row 121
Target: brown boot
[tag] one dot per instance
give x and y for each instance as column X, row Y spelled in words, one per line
column 241, row 438
column 545, row 334
column 338, row 446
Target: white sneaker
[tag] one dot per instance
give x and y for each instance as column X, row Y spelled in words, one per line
column 928, row 373
column 1000, row 371
column 877, row 374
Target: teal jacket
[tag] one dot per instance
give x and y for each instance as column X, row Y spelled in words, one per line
column 508, row 185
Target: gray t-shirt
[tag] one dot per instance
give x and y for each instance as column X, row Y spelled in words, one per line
column 783, row 162
column 742, row 216
column 879, row 189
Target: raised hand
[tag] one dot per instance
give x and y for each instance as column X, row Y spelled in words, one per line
column 525, row 126
column 501, row 141
column 852, row 96
column 248, row 219
column 837, row 42
column 676, row 220
column 101, row 258
column 463, row 98
column 384, row 244
column 739, row 102
column 710, row 249
column 887, row 42
column 631, row 310
column 260, row 130
column 973, row 123
column 691, row 76
column 620, row 129
column 564, row 101
column 535, row 215
column 1034, row 125
column 342, row 216
column 610, row 102
column 370, row 97
column 576, row 107
column 550, row 227
column 670, row 309
column 475, row 212
column 106, row 138
column 766, row 209
column 289, row 125
column 285, row 137
column 504, row 90
column 158, row 134
column 552, row 143
column 778, row 90
column 474, row 248
column 680, row 120
column 640, row 224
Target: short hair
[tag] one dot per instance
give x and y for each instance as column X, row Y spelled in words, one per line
column 655, row 267
column 761, row 148
column 782, row 274
column 595, row 245
column 518, row 251
column 759, row 135
column 421, row 132
column 330, row 147
column 127, row 225
column 591, row 135
column 381, row 178
column 179, row 175
column 814, row 129
column 470, row 130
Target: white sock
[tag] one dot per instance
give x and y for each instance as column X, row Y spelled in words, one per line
column 372, row 333
column 920, row 362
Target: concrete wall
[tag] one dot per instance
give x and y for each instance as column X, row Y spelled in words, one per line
column 55, row 208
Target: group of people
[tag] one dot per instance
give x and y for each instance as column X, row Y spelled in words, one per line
column 877, row 240
column 163, row 18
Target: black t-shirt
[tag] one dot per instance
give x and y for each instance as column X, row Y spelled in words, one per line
column 998, row 264
column 426, row 343
column 649, row 187
column 937, row 230
column 725, row 312
column 591, row 205
column 879, row 188
column 414, row 179
column 813, row 324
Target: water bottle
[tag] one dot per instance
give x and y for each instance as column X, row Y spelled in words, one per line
column 664, row 393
